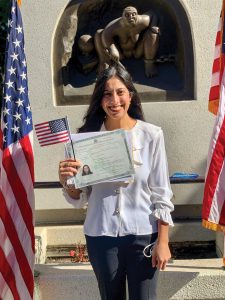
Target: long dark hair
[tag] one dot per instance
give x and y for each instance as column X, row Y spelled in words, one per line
column 95, row 114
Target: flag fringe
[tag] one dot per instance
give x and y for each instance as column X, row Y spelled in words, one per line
column 213, row 226
column 213, row 106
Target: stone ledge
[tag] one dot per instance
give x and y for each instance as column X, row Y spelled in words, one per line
column 183, row 279
column 68, row 235
column 182, row 231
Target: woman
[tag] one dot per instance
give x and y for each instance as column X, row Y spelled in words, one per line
column 125, row 220
column 86, row 170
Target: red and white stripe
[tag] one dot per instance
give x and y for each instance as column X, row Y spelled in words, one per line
column 217, row 72
column 9, row 252
column 17, row 251
column 213, row 208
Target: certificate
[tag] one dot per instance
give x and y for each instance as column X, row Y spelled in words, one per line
column 105, row 156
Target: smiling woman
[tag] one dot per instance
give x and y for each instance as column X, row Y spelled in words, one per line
column 126, row 226
column 114, row 93
column 116, row 102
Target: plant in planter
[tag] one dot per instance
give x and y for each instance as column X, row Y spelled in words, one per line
column 79, row 253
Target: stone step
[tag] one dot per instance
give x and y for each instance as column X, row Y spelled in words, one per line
column 183, row 230
column 51, row 236
column 179, row 250
column 183, row 279
column 190, row 230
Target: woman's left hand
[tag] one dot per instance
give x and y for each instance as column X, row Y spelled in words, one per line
column 160, row 255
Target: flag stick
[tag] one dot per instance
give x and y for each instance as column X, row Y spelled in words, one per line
column 68, row 127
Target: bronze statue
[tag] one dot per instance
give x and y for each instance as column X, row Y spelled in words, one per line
column 131, row 35
column 86, row 58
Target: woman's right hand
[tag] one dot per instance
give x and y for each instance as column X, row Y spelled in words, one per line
column 68, row 168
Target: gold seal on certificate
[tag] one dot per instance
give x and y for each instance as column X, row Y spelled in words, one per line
column 105, row 156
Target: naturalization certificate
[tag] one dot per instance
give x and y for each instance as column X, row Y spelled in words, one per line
column 105, row 156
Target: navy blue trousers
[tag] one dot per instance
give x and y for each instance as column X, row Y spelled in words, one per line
column 115, row 259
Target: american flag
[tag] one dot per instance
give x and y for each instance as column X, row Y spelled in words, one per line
column 52, row 132
column 217, row 70
column 17, row 250
column 213, row 210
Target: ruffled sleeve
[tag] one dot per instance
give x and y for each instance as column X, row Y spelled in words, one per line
column 78, row 203
column 163, row 213
column 159, row 182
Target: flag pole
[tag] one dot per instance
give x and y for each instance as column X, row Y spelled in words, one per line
column 68, row 127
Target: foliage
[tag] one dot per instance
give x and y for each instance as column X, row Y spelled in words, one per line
column 79, row 254
column 4, row 10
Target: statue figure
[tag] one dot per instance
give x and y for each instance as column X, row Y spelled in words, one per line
column 86, row 58
column 70, row 33
column 131, row 35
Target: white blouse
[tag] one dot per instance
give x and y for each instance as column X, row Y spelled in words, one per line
column 134, row 207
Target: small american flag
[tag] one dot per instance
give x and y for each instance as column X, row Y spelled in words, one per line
column 17, row 249
column 52, row 132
